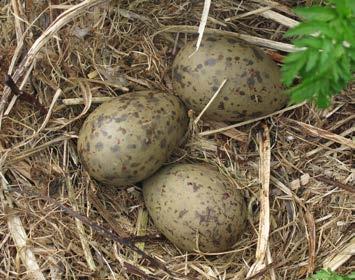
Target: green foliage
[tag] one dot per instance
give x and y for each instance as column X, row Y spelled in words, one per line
column 327, row 274
column 325, row 62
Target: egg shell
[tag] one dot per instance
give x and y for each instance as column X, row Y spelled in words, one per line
column 253, row 81
column 125, row 140
column 194, row 204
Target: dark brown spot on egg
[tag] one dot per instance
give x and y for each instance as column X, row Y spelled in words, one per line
column 221, row 106
column 182, row 213
column 232, row 41
column 122, row 118
column 258, row 54
column 163, row 143
column 123, row 130
column 135, row 164
column 115, row 148
column 226, row 98
column 229, row 228
column 177, row 76
column 251, row 81
column 214, row 89
column 99, row 146
column 256, row 114
column 100, row 120
column 248, row 61
column 220, row 57
column 210, row 62
column 131, row 146
column 211, row 39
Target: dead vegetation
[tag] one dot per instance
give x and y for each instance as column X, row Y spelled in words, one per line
column 56, row 223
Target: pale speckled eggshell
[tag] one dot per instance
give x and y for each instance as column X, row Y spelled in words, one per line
column 253, row 87
column 192, row 201
column 125, row 140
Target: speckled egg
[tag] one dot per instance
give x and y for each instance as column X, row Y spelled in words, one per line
column 125, row 140
column 194, row 204
column 253, row 82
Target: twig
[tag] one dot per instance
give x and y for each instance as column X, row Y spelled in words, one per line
column 264, row 222
column 311, row 241
column 335, row 183
column 24, row 95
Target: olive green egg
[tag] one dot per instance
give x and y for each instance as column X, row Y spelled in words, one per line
column 253, row 81
column 125, row 140
column 195, row 207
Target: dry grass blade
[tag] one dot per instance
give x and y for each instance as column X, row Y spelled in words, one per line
column 80, row 227
column 18, row 234
column 251, row 39
column 80, row 101
column 16, row 5
column 232, row 133
column 210, row 101
column 315, row 131
column 335, row 261
column 201, row 28
column 264, row 221
column 209, row 132
column 289, row 22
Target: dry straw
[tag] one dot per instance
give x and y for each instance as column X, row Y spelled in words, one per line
column 56, row 223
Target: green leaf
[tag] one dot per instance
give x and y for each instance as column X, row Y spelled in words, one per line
column 308, row 42
column 318, row 13
column 305, row 91
column 343, row 8
column 290, row 71
column 312, row 60
column 323, row 101
column 293, row 57
column 326, row 64
column 309, row 28
column 327, row 274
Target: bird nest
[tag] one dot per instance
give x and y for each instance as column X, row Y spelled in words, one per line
column 295, row 166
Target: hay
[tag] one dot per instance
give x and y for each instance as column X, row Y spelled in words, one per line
column 56, row 223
